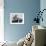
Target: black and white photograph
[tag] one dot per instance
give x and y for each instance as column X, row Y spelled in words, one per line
column 16, row 18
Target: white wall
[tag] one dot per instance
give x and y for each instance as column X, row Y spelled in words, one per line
column 43, row 6
column 1, row 21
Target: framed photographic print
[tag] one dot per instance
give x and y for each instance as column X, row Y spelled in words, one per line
column 16, row 18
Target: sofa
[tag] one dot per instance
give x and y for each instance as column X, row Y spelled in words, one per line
column 39, row 37
column 39, row 33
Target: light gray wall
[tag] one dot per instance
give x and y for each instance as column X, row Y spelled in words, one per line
column 43, row 6
column 29, row 8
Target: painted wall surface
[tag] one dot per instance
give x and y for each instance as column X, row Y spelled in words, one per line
column 43, row 6
column 29, row 8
